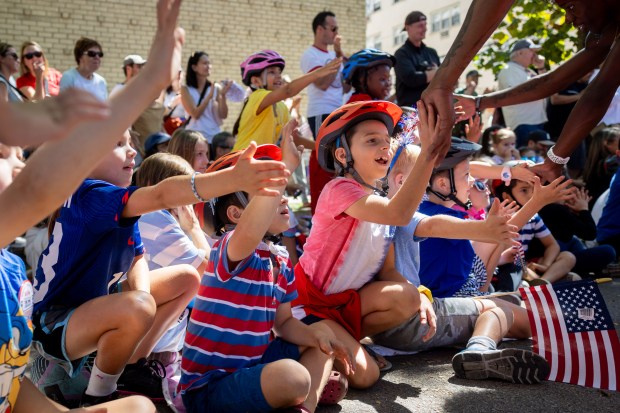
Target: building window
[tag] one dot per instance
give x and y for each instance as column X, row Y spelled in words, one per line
column 376, row 5
column 444, row 19
column 398, row 35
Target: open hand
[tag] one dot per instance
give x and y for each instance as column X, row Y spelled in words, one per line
column 259, row 177
column 497, row 230
column 291, row 155
column 333, row 346
column 467, row 104
column 522, row 172
column 558, row 190
column 473, row 128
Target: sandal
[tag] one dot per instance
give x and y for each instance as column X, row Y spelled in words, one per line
column 335, row 389
column 383, row 363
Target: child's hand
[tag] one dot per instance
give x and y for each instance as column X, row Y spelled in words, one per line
column 330, row 68
column 514, row 154
column 187, row 217
column 580, row 201
column 256, row 177
column 428, row 126
column 427, row 316
column 537, row 268
column 496, row 227
column 291, row 155
column 556, row 191
column 330, row 345
column 508, row 255
column 473, row 128
column 508, row 208
column 523, row 173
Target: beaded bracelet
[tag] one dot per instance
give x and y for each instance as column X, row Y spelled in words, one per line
column 196, row 194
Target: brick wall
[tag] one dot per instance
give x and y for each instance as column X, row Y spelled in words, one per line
column 228, row 30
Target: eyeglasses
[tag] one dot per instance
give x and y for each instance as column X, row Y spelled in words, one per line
column 92, row 53
column 32, row 54
column 333, row 29
column 12, row 54
column 480, row 185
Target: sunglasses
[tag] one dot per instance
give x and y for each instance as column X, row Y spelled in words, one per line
column 12, row 54
column 92, row 53
column 32, row 54
column 480, row 185
column 333, row 29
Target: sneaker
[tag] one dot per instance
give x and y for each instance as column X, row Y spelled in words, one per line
column 511, row 364
column 146, row 377
column 88, row 400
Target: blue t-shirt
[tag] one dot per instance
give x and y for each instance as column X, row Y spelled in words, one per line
column 91, row 247
column 445, row 264
column 407, row 250
column 15, row 327
column 609, row 223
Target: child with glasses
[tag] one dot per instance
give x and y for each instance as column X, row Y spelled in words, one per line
column 37, row 79
column 88, row 54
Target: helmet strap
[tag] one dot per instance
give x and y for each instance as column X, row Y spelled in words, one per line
column 452, row 195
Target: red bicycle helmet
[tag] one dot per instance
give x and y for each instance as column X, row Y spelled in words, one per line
column 263, row 152
column 347, row 116
column 254, row 64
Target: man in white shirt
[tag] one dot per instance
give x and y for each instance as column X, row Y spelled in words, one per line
column 525, row 117
column 324, row 95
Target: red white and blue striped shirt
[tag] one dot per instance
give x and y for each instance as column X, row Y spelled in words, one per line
column 234, row 313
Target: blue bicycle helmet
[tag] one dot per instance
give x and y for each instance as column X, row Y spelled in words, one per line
column 366, row 58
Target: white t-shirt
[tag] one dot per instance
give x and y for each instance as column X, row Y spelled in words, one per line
column 209, row 122
column 530, row 113
column 321, row 102
column 96, row 85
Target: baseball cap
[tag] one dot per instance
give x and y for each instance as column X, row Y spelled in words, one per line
column 133, row 59
column 414, row 17
column 154, row 140
column 524, row 44
column 541, row 137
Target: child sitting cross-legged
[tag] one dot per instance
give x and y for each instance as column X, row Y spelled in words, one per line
column 230, row 362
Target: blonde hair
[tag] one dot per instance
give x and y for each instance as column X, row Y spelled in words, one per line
column 406, row 159
column 160, row 166
column 183, row 143
column 23, row 69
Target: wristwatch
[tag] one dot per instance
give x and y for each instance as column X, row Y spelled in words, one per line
column 556, row 159
column 506, row 175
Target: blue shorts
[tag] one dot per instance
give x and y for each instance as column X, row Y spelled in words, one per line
column 239, row 391
column 49, row 340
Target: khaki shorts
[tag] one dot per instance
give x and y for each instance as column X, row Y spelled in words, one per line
column 456, row 318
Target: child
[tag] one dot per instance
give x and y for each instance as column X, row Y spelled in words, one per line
column 72, row 287
column 553, row 264
column 368, row 72
column 264, row 113
column 466, row 273
column 449, row 321
column 503, row 142
column 191, row 146
column 602, row 162
column 346, row 277
column 229, row 363
column 50, row 177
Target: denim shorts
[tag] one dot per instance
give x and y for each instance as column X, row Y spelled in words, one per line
column 456, row 318
column 239, row 391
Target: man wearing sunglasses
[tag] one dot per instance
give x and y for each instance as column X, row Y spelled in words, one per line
column 324, row 95
column 88, row 55
column 416, row 63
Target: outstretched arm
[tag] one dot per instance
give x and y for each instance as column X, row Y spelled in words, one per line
column 56, row 169
column 482, row 19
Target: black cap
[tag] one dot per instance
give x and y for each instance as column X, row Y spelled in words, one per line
column 473, row 73
column 460, row 149
column 414, row 17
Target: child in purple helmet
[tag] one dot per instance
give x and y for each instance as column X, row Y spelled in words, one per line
column 262, row 72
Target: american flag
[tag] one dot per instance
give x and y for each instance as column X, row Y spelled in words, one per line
column 573, row 331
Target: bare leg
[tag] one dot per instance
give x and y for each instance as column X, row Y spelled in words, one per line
column 290, row 391
column 499, row 319
column 172, row 288
column 560, row 267
column 319, row 365
column 386, row 305
column 113, row 325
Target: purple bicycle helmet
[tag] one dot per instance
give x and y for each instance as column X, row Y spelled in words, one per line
column 259, row 61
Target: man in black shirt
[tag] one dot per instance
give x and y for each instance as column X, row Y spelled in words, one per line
column 416, row 64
